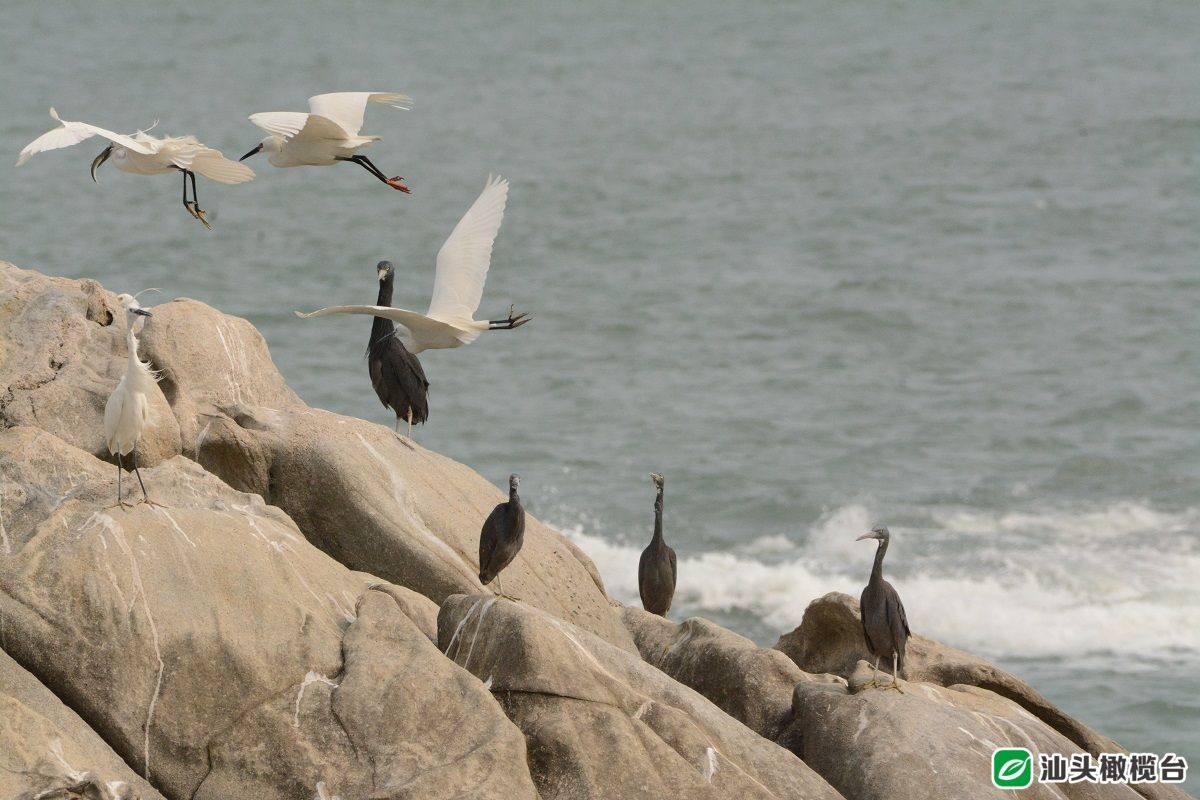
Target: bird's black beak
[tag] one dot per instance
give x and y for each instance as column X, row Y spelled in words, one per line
column 867, row 535
column 252, row 152
column 100, row 159
column 141, row 312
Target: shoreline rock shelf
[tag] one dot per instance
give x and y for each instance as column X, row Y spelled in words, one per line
column 304, row 611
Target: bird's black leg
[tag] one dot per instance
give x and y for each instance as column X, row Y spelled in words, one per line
column 514, row 320
column 396, row 183
column 120, row 502
column 145, row 498
column 193, row 207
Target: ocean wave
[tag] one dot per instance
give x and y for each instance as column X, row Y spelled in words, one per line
column 1117, row 579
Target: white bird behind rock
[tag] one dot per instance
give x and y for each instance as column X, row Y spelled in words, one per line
column 143, row 154
column 329, row 133
column 462, row 268
column 127, row 411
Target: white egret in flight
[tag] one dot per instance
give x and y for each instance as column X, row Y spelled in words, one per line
column 143, row 154
column 462, row 267
column 329, row 133
column 128, row 408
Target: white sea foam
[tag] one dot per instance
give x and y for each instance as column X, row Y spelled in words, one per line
column 1117, row 579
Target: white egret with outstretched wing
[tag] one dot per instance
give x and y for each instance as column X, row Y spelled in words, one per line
column 142, row 154
column 327, row 134
column 462, row 268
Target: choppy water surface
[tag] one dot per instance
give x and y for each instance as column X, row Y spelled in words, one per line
column 822, row 267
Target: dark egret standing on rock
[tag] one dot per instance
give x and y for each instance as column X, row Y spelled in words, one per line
column 502, row 536
column 128, row 408
column 396, row 373
column 884, row 622
column 326, row 135
column 656, row 570
column 462, row 268
column 142, row 154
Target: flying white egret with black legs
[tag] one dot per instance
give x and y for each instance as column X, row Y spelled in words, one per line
column 462, row 267
column 143, row 154
column 329, row 133
column 128, row 408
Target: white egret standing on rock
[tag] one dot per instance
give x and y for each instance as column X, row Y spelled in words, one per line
column 329, row 133
column 143, row 154
column 462, row 267
column 128, row 408
column 885, row 625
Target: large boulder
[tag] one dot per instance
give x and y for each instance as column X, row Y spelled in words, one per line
column 62, row 353
column 208, row 642
column 752, row 684
column 923, row 741
column 602, row 723
column 45, row 747
column 830, row 639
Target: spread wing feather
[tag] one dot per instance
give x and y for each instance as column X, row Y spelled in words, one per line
column 70, row 133
column 463, row 261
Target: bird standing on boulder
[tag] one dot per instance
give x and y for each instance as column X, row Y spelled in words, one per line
column 396, row 373
column 128, row 408
column 656, row 570
column 329, row 133
column 884, row 622
column 462, row 268
column 502, row 536
column 142, row 154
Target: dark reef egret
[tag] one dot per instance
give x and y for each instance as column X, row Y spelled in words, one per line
column 884, row 622
column 656, row 569
column 502, row 536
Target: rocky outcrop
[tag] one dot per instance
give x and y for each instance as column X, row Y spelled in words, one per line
column 929, row 741
column 602, row 723
column 829, row 639
column 270, row 627
column 751, row 684
column 220, row 653
column 45, row 747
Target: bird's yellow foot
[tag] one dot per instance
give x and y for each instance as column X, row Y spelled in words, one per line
column 893, row 685
column 124, row 506
column 196, row 211
column 397, row 183
column 151, row 503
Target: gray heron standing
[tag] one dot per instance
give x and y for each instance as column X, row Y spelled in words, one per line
column 656, row 569
column 502, row 536
column 396, row 374
column 885, row 625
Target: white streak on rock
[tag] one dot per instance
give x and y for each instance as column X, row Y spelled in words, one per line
column 312, row 677
column 175, row 525
column 110, row 525
column 710, row 763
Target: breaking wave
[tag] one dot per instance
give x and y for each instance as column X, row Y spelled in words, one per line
column 1120, row 579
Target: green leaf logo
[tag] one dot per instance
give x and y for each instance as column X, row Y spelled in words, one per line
column 1012, row 768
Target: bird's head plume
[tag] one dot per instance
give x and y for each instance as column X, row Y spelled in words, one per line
column 658, row 479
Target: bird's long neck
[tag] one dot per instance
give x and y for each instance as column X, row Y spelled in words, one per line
column 514, row 504
column 136, row 370
column 382, row 327
column 877, row 570
column 658, row 508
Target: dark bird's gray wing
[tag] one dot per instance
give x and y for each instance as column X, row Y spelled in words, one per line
column 399, row 380
column 489, row 537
